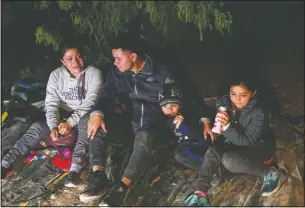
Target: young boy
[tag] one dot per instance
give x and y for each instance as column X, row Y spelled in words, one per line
column 188, row 119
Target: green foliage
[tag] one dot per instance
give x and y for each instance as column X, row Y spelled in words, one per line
column 42, row 5
column 101, row 21
column 46, row 37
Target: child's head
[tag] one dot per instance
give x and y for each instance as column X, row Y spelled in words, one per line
column 242, row 89
column 170, row 100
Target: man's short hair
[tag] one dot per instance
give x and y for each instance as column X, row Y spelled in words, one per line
column 132, row 43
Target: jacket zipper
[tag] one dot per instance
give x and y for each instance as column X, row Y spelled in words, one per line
column 142, row 106
column 135, row 87
column 142, row 114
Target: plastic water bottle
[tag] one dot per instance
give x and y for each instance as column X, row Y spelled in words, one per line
column 217, row 127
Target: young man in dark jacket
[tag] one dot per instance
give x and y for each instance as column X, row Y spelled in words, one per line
column 141, row 79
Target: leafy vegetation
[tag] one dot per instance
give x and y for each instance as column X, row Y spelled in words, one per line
column 98, row 22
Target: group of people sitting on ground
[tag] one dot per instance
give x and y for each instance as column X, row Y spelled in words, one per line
column 160, row 112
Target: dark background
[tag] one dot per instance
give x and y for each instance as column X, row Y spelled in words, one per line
column 267, row 38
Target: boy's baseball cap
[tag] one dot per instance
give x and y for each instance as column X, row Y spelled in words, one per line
column 170, row 94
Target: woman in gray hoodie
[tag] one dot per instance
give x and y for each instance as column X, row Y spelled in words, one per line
column 71, row 92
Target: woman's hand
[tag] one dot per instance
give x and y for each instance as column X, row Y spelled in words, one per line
column 64, row 127
column 54, row 134
column 222, row 118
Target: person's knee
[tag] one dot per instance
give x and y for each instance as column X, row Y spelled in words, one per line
column 39, row 126
column 228, row 160
column 179, row 155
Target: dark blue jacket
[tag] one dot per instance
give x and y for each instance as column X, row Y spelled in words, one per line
column 193, row 110
column 142, row 90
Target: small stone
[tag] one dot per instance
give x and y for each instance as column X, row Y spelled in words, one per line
column 53, row 197
column 174, row 184
column 287, row 105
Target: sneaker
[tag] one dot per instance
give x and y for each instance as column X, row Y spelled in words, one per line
column 273, row 181
column 94, row 186
column 72, row 180
column 115, row 196
column 216, row 180
column 217, row 177
column 197, row 199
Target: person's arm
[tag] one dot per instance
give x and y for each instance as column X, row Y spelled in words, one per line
column 249, row 135
column 168, row 78
column 94, row 87
column 52, row 102
column 109, row 88
column 196, row 107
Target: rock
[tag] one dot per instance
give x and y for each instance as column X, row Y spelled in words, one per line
column 53, row 196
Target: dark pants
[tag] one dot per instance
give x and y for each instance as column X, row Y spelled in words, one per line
column 249, row 160
column 142, row 145
column 40, row 131
column 190, row 153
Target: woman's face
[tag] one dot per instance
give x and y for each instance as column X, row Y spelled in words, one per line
column 240, row 96
column 73, row 60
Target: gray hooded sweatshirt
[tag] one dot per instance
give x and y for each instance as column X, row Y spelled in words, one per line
column 74, row 95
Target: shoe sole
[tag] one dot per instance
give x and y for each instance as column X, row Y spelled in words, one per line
column 279, row 185
column 103, row 205
column 86, row 199
column 71, row 185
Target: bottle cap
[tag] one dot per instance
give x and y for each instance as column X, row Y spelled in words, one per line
column 221, row 108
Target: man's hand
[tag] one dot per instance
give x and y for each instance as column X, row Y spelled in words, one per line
column 54, row 134
column 64, row 127
column 95, row 122
column 207, row 130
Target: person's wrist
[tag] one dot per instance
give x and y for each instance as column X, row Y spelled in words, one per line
column 206, row 123
column 225, row 127
column 94, row 113
column 69, row 124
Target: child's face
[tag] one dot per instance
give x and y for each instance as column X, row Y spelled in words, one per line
column 240, row 96
column 171, row 109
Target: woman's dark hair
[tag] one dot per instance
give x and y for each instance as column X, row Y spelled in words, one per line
column 245, row 81
column 66, row 46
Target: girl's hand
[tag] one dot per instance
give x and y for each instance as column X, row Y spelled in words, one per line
column 207, row 130
column 54, row 134
column 222, row 118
